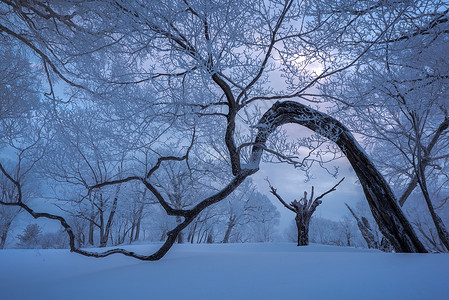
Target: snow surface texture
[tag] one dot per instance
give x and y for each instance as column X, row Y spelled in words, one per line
column 232, row 271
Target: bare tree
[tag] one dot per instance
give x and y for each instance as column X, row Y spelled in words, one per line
column 304, row 209
column 365, row 229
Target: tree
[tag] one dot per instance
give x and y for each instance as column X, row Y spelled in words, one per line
column 7, row 214
column 250, row 215
column 19, row 96
column 397, row 99
column 30, row 236
column 365, row 230
column 185, row 82
column 304, row 209
column 328, row 232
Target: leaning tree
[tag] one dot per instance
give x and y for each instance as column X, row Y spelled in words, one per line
column 187, row 82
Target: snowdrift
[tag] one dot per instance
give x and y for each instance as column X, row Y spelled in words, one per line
column 231, row 271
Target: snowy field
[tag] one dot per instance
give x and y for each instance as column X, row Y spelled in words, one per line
column 233, row 271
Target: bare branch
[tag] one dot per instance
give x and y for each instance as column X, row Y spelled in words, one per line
column 274, row 192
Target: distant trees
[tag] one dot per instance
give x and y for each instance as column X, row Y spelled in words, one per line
column 30, row 237
column 53, row 240
column 248, row 216
column 328, row 232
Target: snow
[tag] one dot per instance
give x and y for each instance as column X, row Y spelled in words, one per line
column 231, row 271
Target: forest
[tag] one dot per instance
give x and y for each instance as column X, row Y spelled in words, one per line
column 127, row 122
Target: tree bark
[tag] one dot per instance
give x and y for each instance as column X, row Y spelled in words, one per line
column 302, row 224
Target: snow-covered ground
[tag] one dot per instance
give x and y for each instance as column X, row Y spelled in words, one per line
column 234, row 271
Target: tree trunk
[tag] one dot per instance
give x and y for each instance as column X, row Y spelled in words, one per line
column 3, row 238
column 163, row 234
column 91, row 229
column 4, row 234
column 439, row 225
column 210, row 238
column 180, row 238
column 107, row 228
column 101, row 213
column 302, row 225
column 231, row 224
column 365, row 230
column 192, row 236
column 139, row 221
column 137, row 231
column 348, row 239
column 391, row 221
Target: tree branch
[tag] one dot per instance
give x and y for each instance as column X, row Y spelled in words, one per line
column 274, row 192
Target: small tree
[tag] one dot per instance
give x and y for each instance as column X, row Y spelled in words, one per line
column 365, row 230
column 29, row 239
column 304, row 209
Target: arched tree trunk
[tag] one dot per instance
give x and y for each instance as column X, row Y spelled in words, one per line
column 386, row 211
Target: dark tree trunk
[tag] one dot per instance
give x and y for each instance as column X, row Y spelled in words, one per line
column 210, row 238
column 302, row 225
column 131, row 235
column 192, row 235
column 139, row 221
column 3, row 238
column 439, row 225
column 107, row 228
column 137, row 232
column 385, row 245
column 91, row 229
column 101, row 213
column 4, row 234
column 420, row 168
